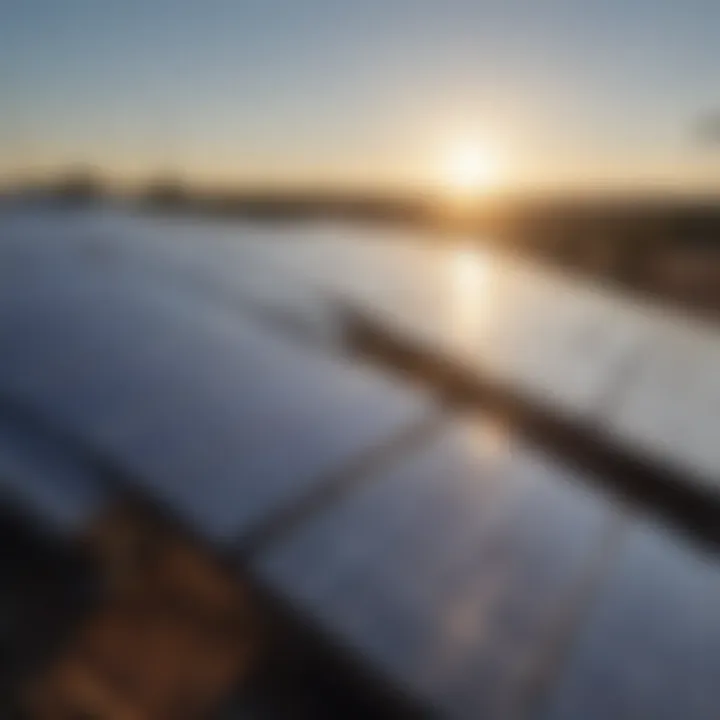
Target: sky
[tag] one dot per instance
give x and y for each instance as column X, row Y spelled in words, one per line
column 361, row 92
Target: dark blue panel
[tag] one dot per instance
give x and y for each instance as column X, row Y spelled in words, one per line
column 47, row 479
column 214, row 416
column 450, row 572
column 651, row 646
column 230, row 266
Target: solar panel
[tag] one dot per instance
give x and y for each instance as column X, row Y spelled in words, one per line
column 216, row 267
column 41, row 474
column 459, row 569
column 671, row 405
column 450, row 571
column 650, row 647
column 551, row 337
column 642, row 374
column 208, row 411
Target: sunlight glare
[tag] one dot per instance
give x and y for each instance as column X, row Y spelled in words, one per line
column 469, row 279
column 469, row 169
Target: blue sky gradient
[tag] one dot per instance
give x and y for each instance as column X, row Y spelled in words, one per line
column 360, row 91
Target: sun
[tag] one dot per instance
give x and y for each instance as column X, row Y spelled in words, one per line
column 469, row 169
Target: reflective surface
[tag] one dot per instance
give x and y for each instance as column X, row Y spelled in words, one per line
column 651, row 645
column 477, row 574
column 221, row 419
column 644, row 374
column 453, row 572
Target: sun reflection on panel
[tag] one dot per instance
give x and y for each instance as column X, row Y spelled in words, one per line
column 470, row 269
column 489, row 436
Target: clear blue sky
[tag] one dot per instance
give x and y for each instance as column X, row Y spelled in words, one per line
column 359, row 91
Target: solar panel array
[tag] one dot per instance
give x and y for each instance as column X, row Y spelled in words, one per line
column 478, row 574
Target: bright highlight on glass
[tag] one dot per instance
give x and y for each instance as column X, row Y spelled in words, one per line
column 469, row 269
